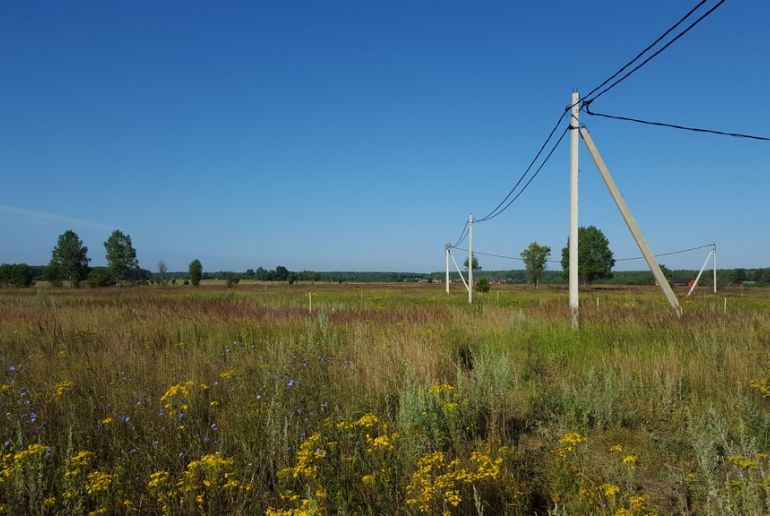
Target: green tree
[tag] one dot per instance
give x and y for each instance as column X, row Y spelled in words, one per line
column 162, row 273
column 231, row 279
column 16, row 275
column 595, row 259
column 281, row 273
column 101, row 277
column 535, row 260
column 69, row 260
column 483, row 285
column 476, row 266
column 121, row 256
column 196, row 271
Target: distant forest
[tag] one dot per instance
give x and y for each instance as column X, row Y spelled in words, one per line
column 24, row 275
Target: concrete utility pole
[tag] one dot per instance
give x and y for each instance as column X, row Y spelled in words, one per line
column 470, row 258
column 574, row 302
column 715, row 267
column 446, row 257
column 631, row 223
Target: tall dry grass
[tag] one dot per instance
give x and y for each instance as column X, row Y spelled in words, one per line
column 212, row 401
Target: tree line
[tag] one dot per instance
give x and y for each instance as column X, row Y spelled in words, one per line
column 70, row 263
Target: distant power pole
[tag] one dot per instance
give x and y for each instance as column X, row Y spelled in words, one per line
column 470, row 258
column 446, row 258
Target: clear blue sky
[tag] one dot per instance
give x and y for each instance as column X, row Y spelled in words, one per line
column 359, row 135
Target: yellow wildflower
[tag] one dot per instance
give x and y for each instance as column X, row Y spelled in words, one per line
column 98, row 482
column 609, row 490
column 368, row 480
column 107, row 420
column 227, row 374
column 742, row 461
column 616, row 448
column 62, row 388
column 573, row 438
column 638, row 502
column 367, row 421
column 82, row 458
column 382, row 442
column 441, row 388
column 158, row 479
column 630, row 461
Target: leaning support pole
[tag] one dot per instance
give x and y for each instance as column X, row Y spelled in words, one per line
column 631, row 223
column 459, row 271
column 470, row 259
column 697, row 278
column 446, row 258
column 574, row 123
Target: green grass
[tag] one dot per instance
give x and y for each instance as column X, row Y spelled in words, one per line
column 468, row 406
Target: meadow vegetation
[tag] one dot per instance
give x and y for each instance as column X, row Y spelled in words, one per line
column 384, row 400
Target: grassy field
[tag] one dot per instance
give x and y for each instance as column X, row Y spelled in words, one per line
column 384, row 400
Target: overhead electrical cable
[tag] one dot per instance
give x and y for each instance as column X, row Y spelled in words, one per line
column 524, row 188
column 497, row 210
column 462, row 236
column 492, row 213
column 652, row 56
column 500, row 255
column 671, row 253
column 666, row 254
column 646, row 49
column 676, row 126
column 608, row 84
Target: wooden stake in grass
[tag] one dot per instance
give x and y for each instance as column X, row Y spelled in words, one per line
column 725, row 308
column 310, row 302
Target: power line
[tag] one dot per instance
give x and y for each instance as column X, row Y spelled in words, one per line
column 657, row 52
column 492, row 214
column 681, row 251
column 647, row 48
column 490, row 254
column 501, row 256
column 523, row 189
column 497, row 210
column 671, row 253
column 462, row 236
column 507, row 201
column 676, row 126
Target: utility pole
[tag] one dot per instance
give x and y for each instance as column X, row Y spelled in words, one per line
column 715, row 267
column 574, row 302
column 446, row 258
column 470, row 258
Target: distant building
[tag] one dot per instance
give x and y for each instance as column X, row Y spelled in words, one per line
column 682, row 282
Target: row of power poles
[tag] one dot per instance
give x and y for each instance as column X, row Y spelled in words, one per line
column 576, row 133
